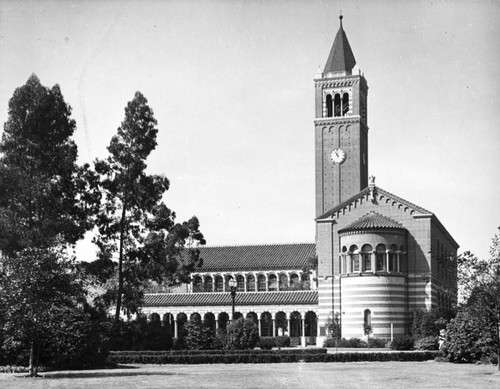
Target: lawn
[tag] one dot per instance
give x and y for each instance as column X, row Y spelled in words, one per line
column 286, row 375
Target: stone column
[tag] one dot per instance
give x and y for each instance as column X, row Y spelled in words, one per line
column 260, row 326
column 274, row 327
column 175, row 328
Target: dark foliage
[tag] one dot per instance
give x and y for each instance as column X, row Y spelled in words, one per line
column 402, row 343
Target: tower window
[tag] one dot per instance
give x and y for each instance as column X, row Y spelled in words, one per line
column 336, row 105
column 366, row 253
column 353, row 253
column 329, row 106
column 345, row 104
column 381, row 256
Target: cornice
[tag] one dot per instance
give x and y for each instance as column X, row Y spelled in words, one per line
column 336, row 83
column 337, row 120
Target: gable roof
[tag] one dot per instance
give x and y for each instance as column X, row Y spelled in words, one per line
column 380, row 193
column 372, row 221
column 341, row 58
column 256, row 257
column 294, row 297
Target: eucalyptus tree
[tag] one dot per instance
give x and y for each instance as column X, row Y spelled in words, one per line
column 136, row 228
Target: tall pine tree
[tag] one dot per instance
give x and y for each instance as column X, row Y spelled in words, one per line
column 135, row 226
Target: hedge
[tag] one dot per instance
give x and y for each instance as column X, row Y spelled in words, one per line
column 268, row 357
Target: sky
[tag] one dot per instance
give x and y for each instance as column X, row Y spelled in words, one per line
column 231, row 85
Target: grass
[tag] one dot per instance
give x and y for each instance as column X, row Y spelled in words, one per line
column 287, row 375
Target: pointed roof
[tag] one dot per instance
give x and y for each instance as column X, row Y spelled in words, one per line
column 341, row 58
column 380, row 192
column 373, row 221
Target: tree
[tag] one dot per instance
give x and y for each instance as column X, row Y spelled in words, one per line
column 45, row 198
column 134, row 223
column 474, row 334
column 242, row 334
column 46, row 205
column 334, row 328
column 37, row 288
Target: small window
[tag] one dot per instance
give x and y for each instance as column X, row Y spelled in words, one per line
column 209, row 284
column 367, row 317
column 294, row 280
column 219, row 284
column 329, row 106
column 336, row 105
column 250, row 283
column 353, row 253
column 261, row 283
column 198, row 284
column 345, row 104
column 381, row 256
column 272, row 283
column 366, row 253
column 283, row 281
column 240, row 283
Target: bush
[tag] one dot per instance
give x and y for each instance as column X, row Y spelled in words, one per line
column 139, row 334
column 377, row 342
column 263, row 356
column 427, row 343
column 242, row 334
column 402, row 343
column 268, row 342
column 197, row 336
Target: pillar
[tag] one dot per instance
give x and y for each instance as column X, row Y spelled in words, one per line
column 274, row 326
column 175, row 328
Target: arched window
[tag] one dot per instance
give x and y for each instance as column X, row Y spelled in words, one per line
column 250, row 283
column 345, row 104
column 228, row 278
column 223, row 319
column 195, row 317
column 344, row 260
column 281, row 321
column 354, row 255
column 209, row 284
column 367, row 318
column 336, row 105
column 240, row 283
column 380, row 256
column 294, row 280
column 266, row 324
column 283, row 281
column 393, row 258
column 272, row 282
column 219, row 284
column 366, row 253
column 197, row 284
column 261, row 283
column 329, row 106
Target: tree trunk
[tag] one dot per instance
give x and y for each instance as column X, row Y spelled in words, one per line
column 120, row 264
column 32, row 367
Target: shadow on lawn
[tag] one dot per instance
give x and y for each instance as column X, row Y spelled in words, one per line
column 132, row 371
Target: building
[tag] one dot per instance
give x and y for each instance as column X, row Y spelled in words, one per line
column 379, row 256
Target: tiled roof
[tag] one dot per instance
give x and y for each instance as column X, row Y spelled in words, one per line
column 341, row 58
column 379, row 192
column 256, row 257
column 242, row 298
column 372, row 221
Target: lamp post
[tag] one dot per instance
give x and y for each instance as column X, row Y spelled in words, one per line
column 232, row 286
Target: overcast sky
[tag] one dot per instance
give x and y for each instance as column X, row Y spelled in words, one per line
column 231, row 85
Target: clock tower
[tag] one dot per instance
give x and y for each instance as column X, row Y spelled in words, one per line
column 341, row 128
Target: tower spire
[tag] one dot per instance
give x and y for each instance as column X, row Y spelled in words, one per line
column 341, row 58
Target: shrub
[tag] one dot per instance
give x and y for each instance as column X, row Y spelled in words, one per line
column 427, row 343
column 268, row 342
column 242, row 334
column 197, row 336
column 402, row 343
column 263, row 356
column 377, row 342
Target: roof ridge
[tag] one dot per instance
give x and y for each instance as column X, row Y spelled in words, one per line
column 379, row 191
column 256, row 244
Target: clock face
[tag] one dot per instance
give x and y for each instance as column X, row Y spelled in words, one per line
column 338, row 156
